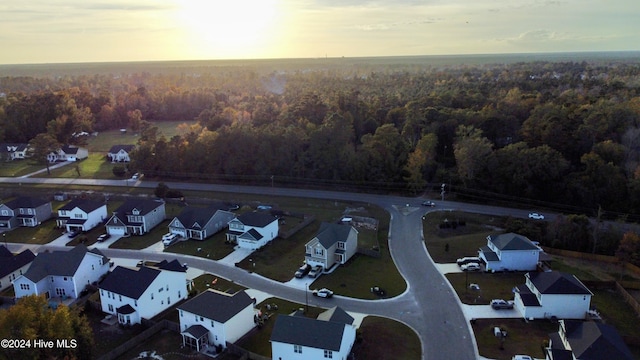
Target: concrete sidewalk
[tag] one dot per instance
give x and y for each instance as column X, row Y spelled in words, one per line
column 51, row 167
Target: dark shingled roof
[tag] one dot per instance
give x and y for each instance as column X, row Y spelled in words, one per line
column 125, row 309
column 59, row 263
column 556, row 282
column 528, row 298
column 256, row 219
column 299, row 330
column 216, row 305
column 196, row 331
column 173, row 265
column 116, row 148
column 330, row 233
column 25, row 202
column 590, row 340
column 145, row 206
column 191, row 216
column 11, row 263
column 252, row 234
column 83, row 204
column 129, row 282
column 70, row 149
column 512, row 241
column 489, row 255
column 336, row 314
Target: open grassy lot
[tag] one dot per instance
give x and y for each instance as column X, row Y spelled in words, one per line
column 213, row 248
column 106, row 139
column 18, row 167
column 94, row 167
column 492, row 286
column 522, row 337
column 383, row 338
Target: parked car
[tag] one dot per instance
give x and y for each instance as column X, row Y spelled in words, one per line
column 74, row 233
column 378, row 291
column 324, row 292
column 428, row 203
column 317, row 270
column 104, row 237
column 521, row 357
column 302, row 271
column 471, row 267
column 136, row 176
column 499, row 304
column 168, row 239
column 468, row 259
column 536, row 216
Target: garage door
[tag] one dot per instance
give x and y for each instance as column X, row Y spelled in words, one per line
column 115, row 230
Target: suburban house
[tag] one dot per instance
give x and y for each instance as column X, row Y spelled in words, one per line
column 253, row 230
column 136, row 217
column 552, row 294
column 331, row 336
column 133, row 294
column 68, row 153
column 81, row 215
column 62, row 273
column 10, row 152
column 586, row 340
column 214, row 318
column 200, row 223
column 510, row 252
column 12, row 266
column 120, row 153
column 24, row 211
column 333, row 244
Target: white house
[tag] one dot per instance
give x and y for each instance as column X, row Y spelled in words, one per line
column 334, row 244
column 215, row 318
column 586, row 340
column 136, row 293
column 11, row 151
column 24, row 211
column 62, row 273
column 200, row 223
column 120, row 153
column 68, row 153
column 136, row 217
column 298, row 337
column 510, row 252
column 12, row 266
column 253, row 230
column 552, row 294
column 81, row 215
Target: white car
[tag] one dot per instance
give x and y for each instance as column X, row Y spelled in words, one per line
column 168, row 239
column 499, row 304
column 467, row 259
column 471, row 267
column 521, row 357
column 536, row 216
column 324, row 292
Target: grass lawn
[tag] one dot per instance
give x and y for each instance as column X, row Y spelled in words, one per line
column 492, row 286
column 18, row 167
column 522, row 337
column 138, row 242
column 106, row 139
column 95, row 166
column 383, row 338
column 41, row 234
column 213, row 248
column 204, row 282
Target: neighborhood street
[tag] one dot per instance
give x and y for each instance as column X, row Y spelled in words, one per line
column 429, row 306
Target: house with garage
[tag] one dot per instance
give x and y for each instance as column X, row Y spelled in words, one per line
column 586, row 340
column 120, row 153
column 334, row 244
column 215, row 318
column 12, row 151
column 330, row 336
column 68, row 153
column 12, row 266
column 200, row 223
column 81, row 215
column 133, row 294
column 553, row 294
column 62, row 274
column 252, row 230
column 24, row 211
column 136, row 217
column 509, row 252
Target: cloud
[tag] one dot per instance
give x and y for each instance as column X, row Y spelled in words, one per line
column 388, row 26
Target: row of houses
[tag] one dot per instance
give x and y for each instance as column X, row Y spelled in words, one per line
column 15, row 151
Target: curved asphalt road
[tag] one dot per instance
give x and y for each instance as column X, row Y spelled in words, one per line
column 429, row 305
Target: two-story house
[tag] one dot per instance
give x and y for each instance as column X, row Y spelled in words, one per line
column 133, row 294
column 24, row 211
column 511, row 252
column 62, row 273
column 120, row 153
column 81, row 215
column 11, row 151
column 333, row 244
column 586, row 340
column 200, row 223
column 252, row 230
column 552, row 294
column 68, row 153
column 331, row 336
column 12, row 266
column 136, row 217
column 214, row 318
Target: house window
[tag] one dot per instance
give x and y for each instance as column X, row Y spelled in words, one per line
column 179, row 295
column 110, row 308
column 65, row 278
column 328, row 354
column 212, row 323
column 167, row 287
column 120, row 297
column 24, row 286
column 160, row 290
column 93, row 267
column 297, row 349
column 135, row 303
column 101, row 292
column 151, row 296
column 30, row 211
column 196, row 316
column 168, row 300
column 77, row 216
column 181, row 313
column 201, row 318
column 341, row 245
column 318, row 251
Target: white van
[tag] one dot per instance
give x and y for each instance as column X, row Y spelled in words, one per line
column 168, row 239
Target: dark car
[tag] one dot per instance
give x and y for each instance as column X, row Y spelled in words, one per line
column 302, row 271
column 104, row 237
column 428, row 203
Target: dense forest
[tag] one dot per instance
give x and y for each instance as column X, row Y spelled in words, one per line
column 555, row 134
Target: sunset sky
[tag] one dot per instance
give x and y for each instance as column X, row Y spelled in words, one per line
column 52, row 31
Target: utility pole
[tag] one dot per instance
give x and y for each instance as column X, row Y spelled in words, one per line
column 306, row 297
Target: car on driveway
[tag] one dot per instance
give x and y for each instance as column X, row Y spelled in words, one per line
column 324, row 292
column 536, row 216
column 428, row 203
column 500, row 304
column 471, row 267
column 74, row 233
column 169, row 239
column 317, row 270
column 104, row 237
column 468, row 259
column 302, row 271
column 521, row 357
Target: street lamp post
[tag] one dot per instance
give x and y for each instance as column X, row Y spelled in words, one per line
column 306, row 297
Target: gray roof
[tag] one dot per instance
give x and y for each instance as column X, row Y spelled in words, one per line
column 590, row 340
column 216, row 305
column 25, row 202
column 125, row 309
column 300, row 330
column 191, row 215
column 512, row 241
column 336, row 314
column 145, row 206
column 257, row 219
column 173, row 265
column 556, row 282
column 116, row 148
column 489, row 255
column 59, row 263
column 252, row 234
column 11, row 263
column 12, row 147
column 70, row 149
column 330, row 233
column 128, row 282
column 83, row 204
column 196, row 331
